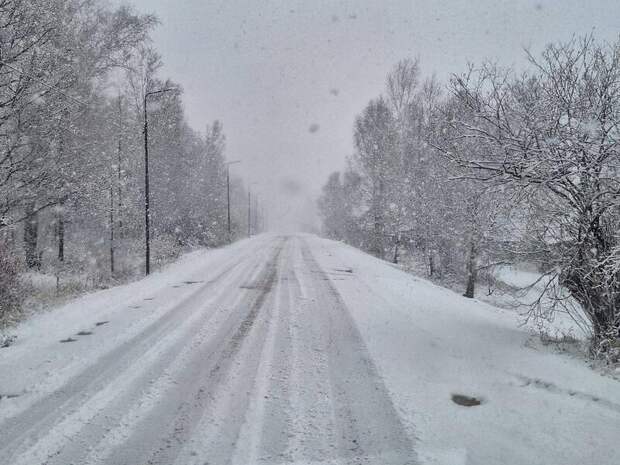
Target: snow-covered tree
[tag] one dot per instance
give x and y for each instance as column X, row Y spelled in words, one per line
column 552, row 135
column 376, row 156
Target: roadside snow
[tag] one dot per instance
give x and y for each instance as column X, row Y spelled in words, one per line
column 428, row 343
column 38, row 363
column 528, row 286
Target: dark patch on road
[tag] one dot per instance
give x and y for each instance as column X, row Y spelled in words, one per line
column 101, row 323
column 84, row 333
column 69, row 339
column 264, row 285
column 344, row 270
column 466, row 401
column 8, row 396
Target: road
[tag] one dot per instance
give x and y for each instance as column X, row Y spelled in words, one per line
column 259, row 363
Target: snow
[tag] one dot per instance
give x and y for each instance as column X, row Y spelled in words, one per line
column 38, row 364
column 424, row 344
column 539, row 407
column 516, row 276
column 39, row 280
column 528, row 287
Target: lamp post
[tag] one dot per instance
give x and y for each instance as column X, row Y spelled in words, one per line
column 228, row 193
column 147, row 207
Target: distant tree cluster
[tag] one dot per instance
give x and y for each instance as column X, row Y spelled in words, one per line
column 73, row 76
column 496, row 167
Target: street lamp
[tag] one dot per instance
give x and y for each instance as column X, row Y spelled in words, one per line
column 147, row 208
column 228, row 163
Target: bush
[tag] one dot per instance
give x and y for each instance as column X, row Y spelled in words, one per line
column 11, row 289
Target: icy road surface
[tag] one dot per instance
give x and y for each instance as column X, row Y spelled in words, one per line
column 294, row 349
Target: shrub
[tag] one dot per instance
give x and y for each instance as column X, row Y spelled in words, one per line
column 11, row 289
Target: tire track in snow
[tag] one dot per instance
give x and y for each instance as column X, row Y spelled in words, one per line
column 265, row 431
column 162, row 433
column 274, row 371
column 25, row 430
column 147, row 391
column 369, row 429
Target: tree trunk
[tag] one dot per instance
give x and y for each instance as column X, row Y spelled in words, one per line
column 31, row 232
column 472, row 271
column 60, row 225
column 396, row 245
column 377, row 247
column 431, row 263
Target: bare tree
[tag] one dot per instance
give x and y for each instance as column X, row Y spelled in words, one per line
column 552, row 134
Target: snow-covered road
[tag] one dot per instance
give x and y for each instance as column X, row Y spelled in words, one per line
column 293, row 349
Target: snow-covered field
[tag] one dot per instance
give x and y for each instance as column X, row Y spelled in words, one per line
column 296, row 350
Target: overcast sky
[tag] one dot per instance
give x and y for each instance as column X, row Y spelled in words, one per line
column 273, row 70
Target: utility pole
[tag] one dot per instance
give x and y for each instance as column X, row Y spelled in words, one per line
column 119, row 170
column 111, row 229
column 147, row 206
column 228, row 194
column 249, row 214
column 257, row 228
column 250, row 207
column 119, row 205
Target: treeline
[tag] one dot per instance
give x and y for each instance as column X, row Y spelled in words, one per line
column 73, row 79
column 495, row 167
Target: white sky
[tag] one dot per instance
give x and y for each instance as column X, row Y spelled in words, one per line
column 265, row 68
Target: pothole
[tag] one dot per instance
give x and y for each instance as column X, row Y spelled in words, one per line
column 466, row 401
column 8, row 396
column 84, row 333
column 69, row 339
column 101, row 323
